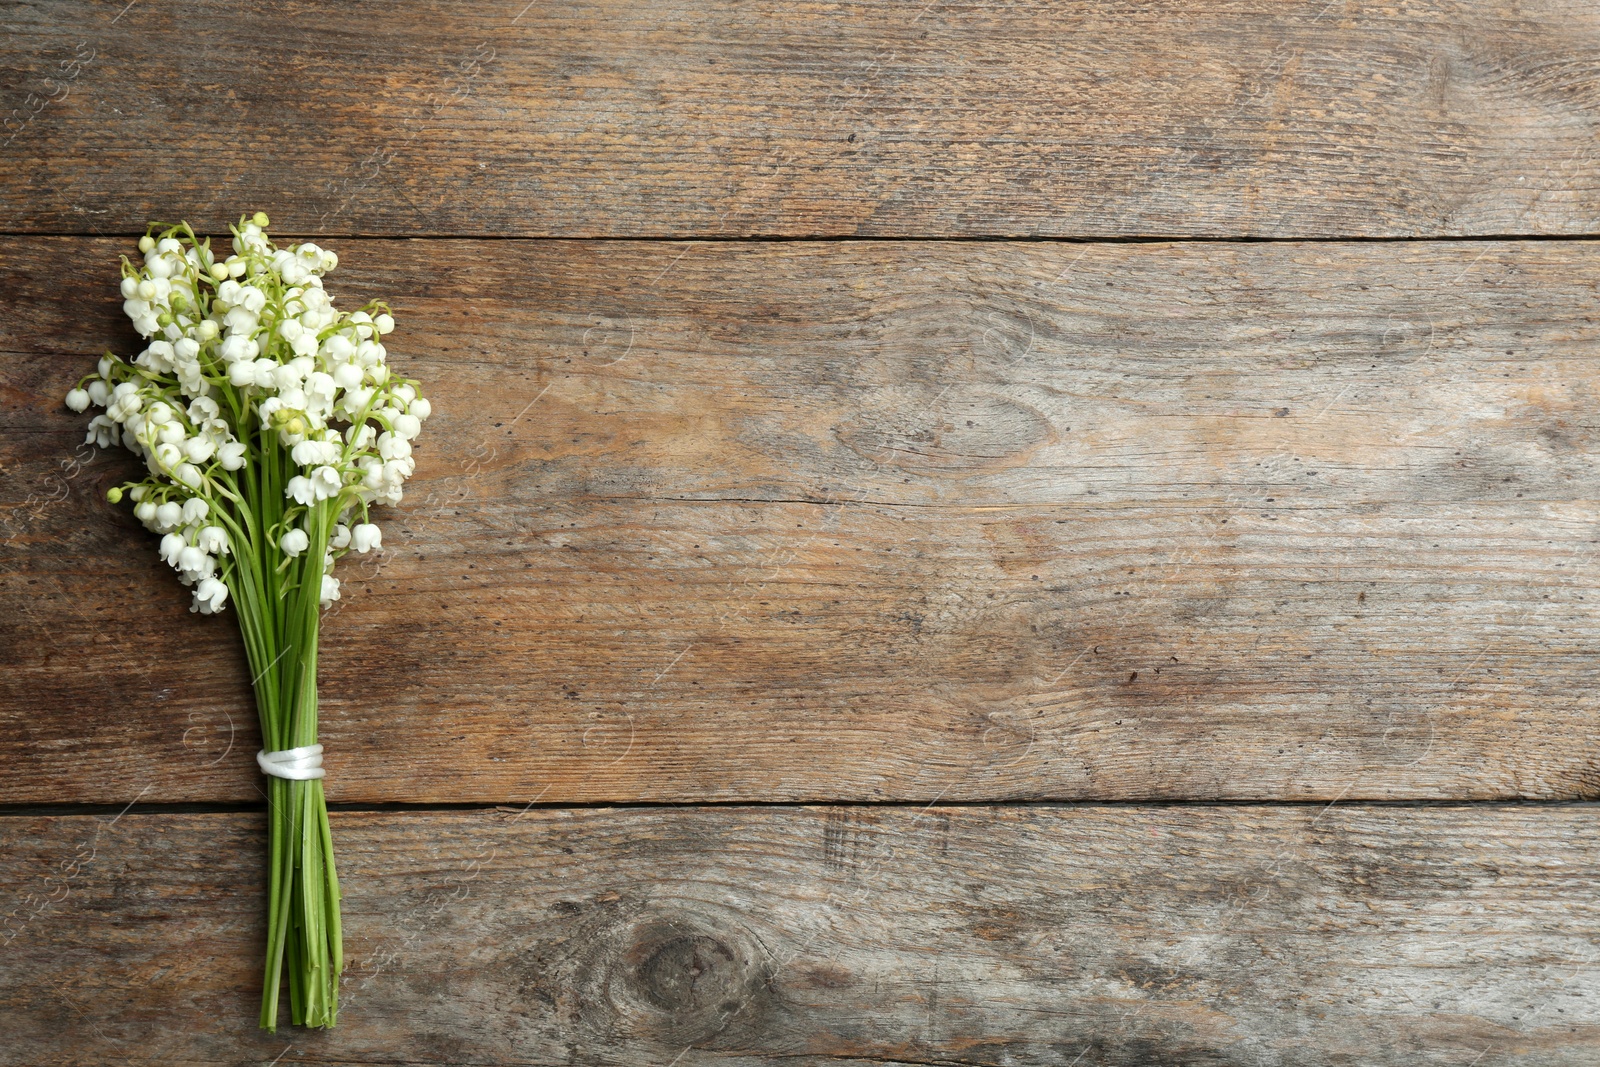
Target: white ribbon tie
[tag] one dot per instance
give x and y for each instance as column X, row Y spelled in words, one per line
column 296, row 764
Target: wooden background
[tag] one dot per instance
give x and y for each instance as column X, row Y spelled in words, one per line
column 954, row 533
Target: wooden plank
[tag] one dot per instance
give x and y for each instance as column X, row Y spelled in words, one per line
column 868, row 521
column 737, row 935
column 1443, row 117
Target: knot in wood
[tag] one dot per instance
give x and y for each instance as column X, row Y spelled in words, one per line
column 678, row 978
column 690, row 973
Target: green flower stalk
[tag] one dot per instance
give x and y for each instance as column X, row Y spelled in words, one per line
column 269, row 423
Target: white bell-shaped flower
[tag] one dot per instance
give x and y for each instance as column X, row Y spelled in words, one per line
column 407, row 427
column 169, row 514
column 299, row 490
column 365, row 537
column 199, row 449
column 209, row 596
column 294, row 542
column 393, row 446
column 326, row 483
column 348, row 376
column 213, row 539
column 231, row 456
column 309, row 453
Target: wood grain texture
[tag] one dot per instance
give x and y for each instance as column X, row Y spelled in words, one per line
column 742, row 936
column 868, row 521
column 1217, row 117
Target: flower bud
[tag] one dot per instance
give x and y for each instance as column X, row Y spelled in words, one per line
column 114, row 495
column 78, row 399
column 146, row 243
column 260, row 219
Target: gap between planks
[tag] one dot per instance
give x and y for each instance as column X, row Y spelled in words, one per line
column 223, row 808
column 847, row 238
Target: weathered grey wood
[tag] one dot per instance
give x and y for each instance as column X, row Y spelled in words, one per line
column 990, row 935
column 871, row 521
column 1442, row 117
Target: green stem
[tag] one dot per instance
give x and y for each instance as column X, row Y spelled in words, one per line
column 284, row 610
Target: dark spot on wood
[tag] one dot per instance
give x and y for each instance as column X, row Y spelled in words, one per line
column 827, row 976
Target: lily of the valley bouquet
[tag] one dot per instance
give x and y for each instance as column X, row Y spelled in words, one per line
column 270, row 424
